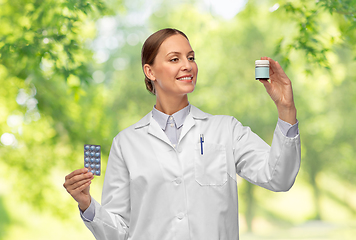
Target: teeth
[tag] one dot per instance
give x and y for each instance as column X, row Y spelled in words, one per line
column 186, row 78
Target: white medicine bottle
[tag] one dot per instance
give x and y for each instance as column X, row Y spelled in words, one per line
column 262, row 69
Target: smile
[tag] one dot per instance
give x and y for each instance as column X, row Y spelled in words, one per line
column 186, row 78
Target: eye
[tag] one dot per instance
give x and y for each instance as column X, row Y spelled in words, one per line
column 191, row 58
column 174, row 60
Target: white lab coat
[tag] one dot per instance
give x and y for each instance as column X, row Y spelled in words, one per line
column 153, row 191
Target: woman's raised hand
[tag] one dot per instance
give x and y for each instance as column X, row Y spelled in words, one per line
column 280, row 90
column 77, row 184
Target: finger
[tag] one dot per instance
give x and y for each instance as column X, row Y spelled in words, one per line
column 76, row 172
column 81, row 188
column 276, row 67
column 80, row 182
column 78, row 178
column 74, row 187
column 271, row 64
column 267, row 58
column 74, row 193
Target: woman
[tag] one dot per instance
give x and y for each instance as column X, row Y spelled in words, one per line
column 172, row 175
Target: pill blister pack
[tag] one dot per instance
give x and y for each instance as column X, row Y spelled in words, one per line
column 92, row 158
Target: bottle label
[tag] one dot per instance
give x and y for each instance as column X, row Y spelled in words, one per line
column 262, row 72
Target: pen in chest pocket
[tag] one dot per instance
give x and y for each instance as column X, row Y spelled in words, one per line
column 201, row 143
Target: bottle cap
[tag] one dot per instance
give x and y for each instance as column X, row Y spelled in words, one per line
column 262, row 63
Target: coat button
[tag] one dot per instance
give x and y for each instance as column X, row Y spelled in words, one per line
column 178, row 181
column 180, row 216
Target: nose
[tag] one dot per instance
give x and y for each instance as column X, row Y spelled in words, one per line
column 187, row 66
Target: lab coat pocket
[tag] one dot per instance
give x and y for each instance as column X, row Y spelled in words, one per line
column 210, row 167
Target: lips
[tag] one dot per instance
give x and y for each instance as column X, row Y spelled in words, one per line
column 185, row 78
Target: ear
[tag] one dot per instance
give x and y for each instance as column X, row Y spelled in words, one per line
column 149, row 72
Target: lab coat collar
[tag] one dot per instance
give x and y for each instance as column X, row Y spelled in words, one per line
column 178, row 117
column 155, row 130
column 195, row 113
column 144, row 121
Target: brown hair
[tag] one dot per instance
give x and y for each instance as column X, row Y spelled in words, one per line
column 150, row 49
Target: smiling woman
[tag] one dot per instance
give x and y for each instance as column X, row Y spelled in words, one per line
column 171, row 71
column 150, row 50
column 172, row 175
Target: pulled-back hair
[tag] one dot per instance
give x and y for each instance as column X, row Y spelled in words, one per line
column 150, row 49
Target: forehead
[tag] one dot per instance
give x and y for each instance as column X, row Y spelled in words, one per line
column 175, row 43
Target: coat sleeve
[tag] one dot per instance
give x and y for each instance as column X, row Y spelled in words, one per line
column 273, row 167
column 112, row 217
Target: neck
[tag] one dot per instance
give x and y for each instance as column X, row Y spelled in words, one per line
column 170, row 105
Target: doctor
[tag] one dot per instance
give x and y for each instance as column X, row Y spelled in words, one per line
column 172, row 175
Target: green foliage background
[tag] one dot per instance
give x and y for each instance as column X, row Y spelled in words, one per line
column 70, row 74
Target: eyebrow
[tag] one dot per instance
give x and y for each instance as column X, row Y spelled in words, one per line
column 179, row 53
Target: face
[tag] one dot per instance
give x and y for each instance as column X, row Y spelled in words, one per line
column 174, row 71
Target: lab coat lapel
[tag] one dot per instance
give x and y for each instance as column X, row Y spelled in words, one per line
column 188, row 124
column 195, row 113
column 155, row 130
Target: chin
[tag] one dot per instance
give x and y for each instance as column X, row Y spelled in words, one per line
column 188, row 89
